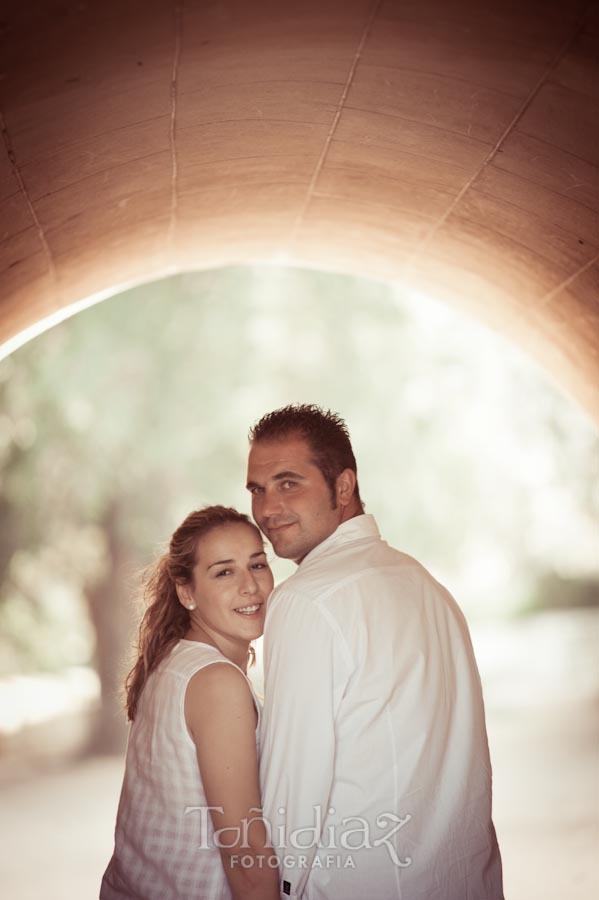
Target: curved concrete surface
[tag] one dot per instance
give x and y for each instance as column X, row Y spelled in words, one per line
column 448, row 143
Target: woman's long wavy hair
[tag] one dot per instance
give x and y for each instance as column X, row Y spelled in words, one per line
column 165, row 620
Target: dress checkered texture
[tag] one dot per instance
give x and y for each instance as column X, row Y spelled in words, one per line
column 157, row 853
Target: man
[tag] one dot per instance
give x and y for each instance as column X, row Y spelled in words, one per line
column 375, row 765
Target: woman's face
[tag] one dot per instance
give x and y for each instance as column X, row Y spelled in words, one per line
column 231, row 583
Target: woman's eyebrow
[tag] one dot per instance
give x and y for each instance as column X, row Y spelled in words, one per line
column 222, row 562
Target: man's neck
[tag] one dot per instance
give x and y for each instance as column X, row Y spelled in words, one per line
column 351, row 511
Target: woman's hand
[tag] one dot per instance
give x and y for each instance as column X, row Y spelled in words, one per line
column 221, row 718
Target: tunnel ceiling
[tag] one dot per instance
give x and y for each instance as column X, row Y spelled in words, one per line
column 450, row 144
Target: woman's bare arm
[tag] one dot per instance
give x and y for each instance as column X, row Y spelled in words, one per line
column 221, row 718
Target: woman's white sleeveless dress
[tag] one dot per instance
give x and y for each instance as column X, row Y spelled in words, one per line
column 161, row 852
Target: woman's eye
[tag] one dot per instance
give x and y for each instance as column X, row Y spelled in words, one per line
column 223, row 572
column 259, row 566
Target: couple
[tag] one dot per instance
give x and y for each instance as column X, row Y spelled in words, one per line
column 366, row 776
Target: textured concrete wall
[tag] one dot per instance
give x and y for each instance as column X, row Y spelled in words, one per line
column 448, row 143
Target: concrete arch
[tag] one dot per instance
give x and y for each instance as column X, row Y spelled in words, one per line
column 449, row 143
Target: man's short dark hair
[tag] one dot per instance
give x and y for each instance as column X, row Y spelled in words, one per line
column 325, row 432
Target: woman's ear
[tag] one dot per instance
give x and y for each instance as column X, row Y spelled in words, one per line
column 185, row 594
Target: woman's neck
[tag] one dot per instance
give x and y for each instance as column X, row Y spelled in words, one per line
column 234, row 649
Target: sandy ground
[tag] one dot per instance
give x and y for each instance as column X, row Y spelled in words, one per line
column 56, row 827
column 546, row 802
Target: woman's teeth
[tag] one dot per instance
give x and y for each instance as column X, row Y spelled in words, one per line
column 248, row 610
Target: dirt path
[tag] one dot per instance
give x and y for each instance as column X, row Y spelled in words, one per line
column 56, row 828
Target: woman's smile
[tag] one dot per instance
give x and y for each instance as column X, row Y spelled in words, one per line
column 252, row 611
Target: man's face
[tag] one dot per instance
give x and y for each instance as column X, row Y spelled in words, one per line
column 291, row 501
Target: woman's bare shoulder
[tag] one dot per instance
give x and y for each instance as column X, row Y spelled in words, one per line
column 219, row 685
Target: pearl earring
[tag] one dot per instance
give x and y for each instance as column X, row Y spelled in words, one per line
column 192, row 606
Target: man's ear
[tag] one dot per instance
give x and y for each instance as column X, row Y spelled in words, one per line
column 345, row 487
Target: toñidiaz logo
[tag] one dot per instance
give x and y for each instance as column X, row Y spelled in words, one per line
column 351, row 834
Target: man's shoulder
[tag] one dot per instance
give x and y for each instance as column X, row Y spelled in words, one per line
column 352, row 567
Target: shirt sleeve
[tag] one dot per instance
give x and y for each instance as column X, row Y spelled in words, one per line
column 306, row 668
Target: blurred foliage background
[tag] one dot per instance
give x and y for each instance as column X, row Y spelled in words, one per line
column 119, row 421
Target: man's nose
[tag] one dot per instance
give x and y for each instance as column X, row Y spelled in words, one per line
column 271, row 505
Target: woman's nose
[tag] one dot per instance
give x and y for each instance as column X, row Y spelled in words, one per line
column 249, row 585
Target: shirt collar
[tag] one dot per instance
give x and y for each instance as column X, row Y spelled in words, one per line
column 354, row 529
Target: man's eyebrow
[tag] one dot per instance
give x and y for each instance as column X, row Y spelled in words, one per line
column 222, row 562
column 280, row 476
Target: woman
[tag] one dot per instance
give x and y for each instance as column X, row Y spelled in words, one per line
column 192, row 763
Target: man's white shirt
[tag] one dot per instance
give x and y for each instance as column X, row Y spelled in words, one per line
column 375, row 769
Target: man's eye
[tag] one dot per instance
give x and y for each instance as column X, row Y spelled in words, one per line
column 288, row 484
column 256, row 490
